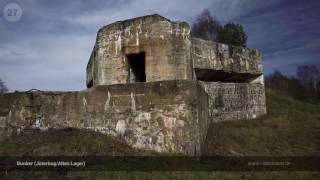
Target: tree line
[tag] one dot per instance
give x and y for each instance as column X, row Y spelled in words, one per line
column 304, row 85
column 208, row 27
column 3, row 87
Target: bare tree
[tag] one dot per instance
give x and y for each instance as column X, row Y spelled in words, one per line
column 206, row 26
column 289, row 86
column 309, row 76
column 304, row 86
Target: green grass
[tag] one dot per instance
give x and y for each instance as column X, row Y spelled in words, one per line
column 291, row 128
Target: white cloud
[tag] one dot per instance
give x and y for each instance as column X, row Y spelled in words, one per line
column 46, row 62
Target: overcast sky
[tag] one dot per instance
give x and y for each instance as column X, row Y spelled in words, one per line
column 49, row 47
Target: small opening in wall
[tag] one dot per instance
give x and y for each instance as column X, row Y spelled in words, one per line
column 90, row 84
column 137, row 69
column 210, row 75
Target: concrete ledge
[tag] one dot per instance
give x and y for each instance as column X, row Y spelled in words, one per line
column 221, row 57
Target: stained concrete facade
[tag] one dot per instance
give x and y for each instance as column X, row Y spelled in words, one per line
column 164, row 46
column 150, row 84
column 169, row 53
column 167, row 116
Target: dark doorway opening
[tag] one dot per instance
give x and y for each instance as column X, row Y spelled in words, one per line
column 137, row 67
column 90, row 84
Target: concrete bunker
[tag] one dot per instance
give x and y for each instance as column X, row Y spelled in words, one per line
column 136, row 67
column 185, row 88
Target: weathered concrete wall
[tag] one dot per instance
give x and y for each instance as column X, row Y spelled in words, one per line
column 170, row 54
column 169, row 116
column 233, row 101
column 232, row 77
column 165, row 43
column 220, row 62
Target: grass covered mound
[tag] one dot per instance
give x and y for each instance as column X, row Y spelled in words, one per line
column 66, row 142
column 290, row 128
